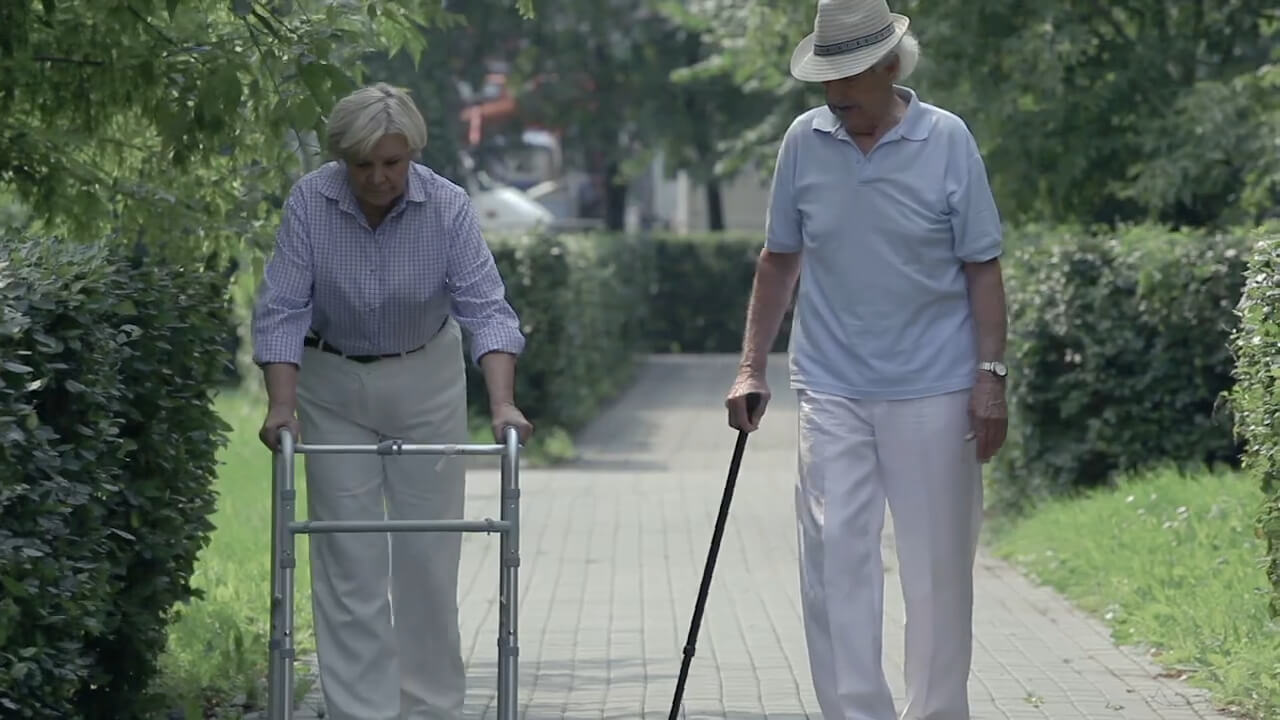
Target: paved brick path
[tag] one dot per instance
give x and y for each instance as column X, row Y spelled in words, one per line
column 613, row 549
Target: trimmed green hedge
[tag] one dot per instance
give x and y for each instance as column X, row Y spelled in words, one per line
column 1257, row 393
column 700, row 290
column 106, row 468
column 581, row 302
column 1119, row 355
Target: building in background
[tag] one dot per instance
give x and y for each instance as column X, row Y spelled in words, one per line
column 517, row 171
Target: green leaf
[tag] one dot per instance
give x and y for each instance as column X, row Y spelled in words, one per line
column 12, row 587
column 46, row 342
column 229, row 89
column 317, row 76
column 16, row 367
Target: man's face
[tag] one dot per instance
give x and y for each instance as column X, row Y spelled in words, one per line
column 862, row 101
column 379, row 178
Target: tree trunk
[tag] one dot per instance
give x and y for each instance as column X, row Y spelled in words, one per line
column 715, row 206
column 615, row 200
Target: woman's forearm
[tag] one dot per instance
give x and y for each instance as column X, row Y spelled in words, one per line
column 282, row 385
column 499, row 378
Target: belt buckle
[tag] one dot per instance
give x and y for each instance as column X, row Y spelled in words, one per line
column 324, row 346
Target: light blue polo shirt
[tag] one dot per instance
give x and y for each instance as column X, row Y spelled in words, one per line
column 882, row 308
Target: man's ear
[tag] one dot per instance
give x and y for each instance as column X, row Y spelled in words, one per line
column 892, row 67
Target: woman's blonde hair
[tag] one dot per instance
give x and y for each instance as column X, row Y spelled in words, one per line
column 361, row 119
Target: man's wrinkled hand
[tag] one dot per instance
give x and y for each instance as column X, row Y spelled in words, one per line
column 988, row 415
column 508, row 415
column 747, row 383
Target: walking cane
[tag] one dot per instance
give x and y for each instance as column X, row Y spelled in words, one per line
column 753, row 402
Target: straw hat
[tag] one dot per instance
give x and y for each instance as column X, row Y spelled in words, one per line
column 848, row 37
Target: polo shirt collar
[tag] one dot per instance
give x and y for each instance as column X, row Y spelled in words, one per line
column 914, row 125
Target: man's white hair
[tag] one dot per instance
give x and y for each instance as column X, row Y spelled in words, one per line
column 361, row 119
column 907, row 52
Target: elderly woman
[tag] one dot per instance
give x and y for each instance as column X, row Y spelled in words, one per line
column 377, row 263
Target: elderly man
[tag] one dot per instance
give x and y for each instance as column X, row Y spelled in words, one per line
column 379, row 265
column 881, row 209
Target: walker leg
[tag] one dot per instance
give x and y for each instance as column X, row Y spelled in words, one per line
column 283, row 507
column 508, row 581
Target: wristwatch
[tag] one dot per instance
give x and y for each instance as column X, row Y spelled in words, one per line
column 996, row 368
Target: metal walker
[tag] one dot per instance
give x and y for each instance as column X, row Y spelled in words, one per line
column 285, row 526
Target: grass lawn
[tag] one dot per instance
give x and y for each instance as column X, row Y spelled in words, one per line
column 1171, row 562
column 217, row 653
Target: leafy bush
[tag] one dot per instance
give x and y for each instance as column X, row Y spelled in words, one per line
column 590, row 302
column 106, row 468
column 700, row 290
column 1119, row 353
column 581, row 303
column 1257, row 393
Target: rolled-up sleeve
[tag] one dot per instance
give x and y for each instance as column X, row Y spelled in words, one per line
column 782, row 217
column 282, row 312
column 477, row 290
column 975, row 221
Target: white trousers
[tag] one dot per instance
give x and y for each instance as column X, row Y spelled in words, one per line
column 853, row 456
column 370, row 669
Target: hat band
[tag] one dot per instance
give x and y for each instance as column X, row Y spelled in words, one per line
column 849, row 45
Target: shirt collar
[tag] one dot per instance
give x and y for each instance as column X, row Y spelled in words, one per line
column 915, row 124
column 336, row 187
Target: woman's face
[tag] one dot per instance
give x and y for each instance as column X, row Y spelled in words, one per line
column 378, row 179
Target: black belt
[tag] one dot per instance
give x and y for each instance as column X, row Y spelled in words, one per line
column 318, row 343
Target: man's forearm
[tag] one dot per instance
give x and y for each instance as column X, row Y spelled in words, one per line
column 775, row 279
column 282, row 385
column 499, row 377
column 986, row 298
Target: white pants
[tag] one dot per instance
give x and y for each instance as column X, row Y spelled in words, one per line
column 855, row 454
column 369, row 669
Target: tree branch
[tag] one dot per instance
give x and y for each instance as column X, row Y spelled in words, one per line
column 142, row 19
column 275, row 16
column 267, row 25
column 173, row 43
column 253, row 36
column 69, row 61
